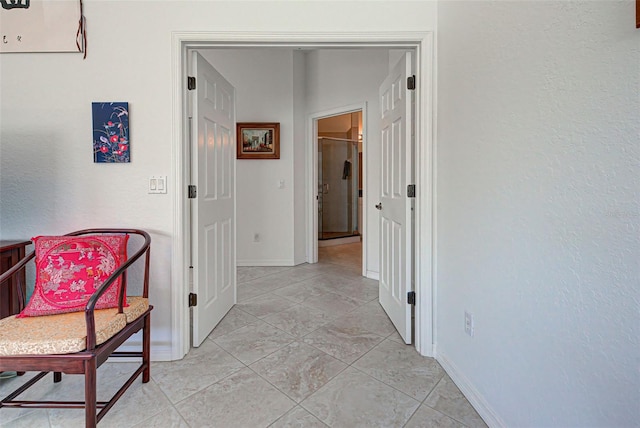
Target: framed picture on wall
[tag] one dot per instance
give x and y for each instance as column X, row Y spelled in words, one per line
column 258, row 140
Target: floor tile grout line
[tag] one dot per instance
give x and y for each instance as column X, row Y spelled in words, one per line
column 203, row 388
column 291, row 398
column 296, row 406
column 168, row 400
column 442, row 411
column 266, row 275
column 295, row 281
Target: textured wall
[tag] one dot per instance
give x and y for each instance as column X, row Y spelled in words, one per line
column 538, row 209
column 48, row 182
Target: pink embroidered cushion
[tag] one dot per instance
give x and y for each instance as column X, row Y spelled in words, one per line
column 70, row 268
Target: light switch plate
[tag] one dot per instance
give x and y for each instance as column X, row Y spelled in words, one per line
column 158, row 184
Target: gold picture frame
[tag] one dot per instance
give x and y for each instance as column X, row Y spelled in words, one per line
column 258, row 140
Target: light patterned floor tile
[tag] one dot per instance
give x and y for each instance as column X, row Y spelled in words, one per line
column 295, row 275
column 299, row 320
column 247, row 273
column 234, row 319
column 344, row 344
column 111, row 376
column 212, row 388
column 363, row 289
column 169, row 418
column 200, row 368
column 395, row 336
column 254, row 341
column 298, row 370
column 370, row 318
column 140, row 402
column 447, row 399
column 243, row 399
column 9, row 384
column 30, row 419
column 298, row 418
column 333, row 304
column 302, row 291
column 401, row 367
column 265, row 305
column 426, row 417
column 353, row 399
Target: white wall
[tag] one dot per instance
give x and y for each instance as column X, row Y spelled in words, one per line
column 48, row 182
column 263, row 79
column 538, row 209
column 340, row 78
column 300, row 143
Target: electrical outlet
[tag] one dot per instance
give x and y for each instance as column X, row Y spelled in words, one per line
column 256, row 237
column 468, row 323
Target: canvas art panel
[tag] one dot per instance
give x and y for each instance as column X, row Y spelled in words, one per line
column 111, row 137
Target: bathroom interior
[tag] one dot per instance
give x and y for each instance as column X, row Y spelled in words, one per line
column 340, row 179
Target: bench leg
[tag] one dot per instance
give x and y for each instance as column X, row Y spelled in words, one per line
column 146, row 348
column 90, row 396
column 57, row 377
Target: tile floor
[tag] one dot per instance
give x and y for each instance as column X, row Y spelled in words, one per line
column 306, row 346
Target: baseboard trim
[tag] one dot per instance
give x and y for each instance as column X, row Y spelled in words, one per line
column 373, row 275
column 470, row 392
column 282, row 262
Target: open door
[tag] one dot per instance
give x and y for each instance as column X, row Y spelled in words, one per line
column 213, row 224
column 395, row 204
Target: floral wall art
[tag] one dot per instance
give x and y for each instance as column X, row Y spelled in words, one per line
column 111, row 142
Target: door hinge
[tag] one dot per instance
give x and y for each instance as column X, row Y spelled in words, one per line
column 411, row 191
column 411, row 298
column 411, row 82
column 191, row 83
column 193, row 300
column 191, row 191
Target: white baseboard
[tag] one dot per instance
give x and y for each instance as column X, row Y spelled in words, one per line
column 283, row 262
column 470, row 392
column 373, row 275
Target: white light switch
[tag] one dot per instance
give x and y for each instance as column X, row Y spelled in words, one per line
column 281, row 184
column 158, row 184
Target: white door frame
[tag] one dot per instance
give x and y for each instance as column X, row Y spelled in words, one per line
column 423, row 43
column 312, row 179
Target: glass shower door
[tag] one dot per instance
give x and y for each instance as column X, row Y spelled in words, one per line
column 337, row 188
column 320, row 229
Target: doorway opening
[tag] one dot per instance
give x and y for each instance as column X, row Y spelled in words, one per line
column 423, row 44
column 340, row 189
column 340, row 147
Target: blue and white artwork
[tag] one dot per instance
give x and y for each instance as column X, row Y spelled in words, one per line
column 111, row 138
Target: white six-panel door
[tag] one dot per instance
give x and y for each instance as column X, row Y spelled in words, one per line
column 395, row 205
column 213, row 210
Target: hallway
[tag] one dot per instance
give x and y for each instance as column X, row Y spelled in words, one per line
column 306, row 346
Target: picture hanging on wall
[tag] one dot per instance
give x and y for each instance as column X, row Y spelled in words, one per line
column 258, row 140
column 111, row 138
